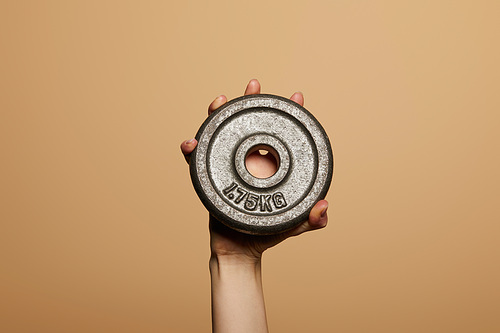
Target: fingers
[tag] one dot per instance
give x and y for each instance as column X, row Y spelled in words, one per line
column 298, row 98
column 187, row 148
column 318, row 219
column 261, row 166
column 253, row 87
column 217, row 103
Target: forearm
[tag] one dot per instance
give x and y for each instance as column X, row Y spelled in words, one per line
column 237, row 296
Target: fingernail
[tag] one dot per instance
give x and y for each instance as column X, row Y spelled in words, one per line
column 190, row 141
column 323, row 213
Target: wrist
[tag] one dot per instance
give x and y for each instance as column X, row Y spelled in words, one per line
column 241, row 260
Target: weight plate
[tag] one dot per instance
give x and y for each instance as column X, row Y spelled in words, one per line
column 261, row 205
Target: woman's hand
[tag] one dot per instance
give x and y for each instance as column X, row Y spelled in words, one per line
column 230, row 244
column 235, row 263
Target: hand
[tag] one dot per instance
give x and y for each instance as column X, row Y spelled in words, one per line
column 230, row 244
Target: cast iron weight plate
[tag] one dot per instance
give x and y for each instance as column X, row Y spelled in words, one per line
column 261, row 205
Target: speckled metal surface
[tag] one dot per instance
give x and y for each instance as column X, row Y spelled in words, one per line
column 254, row 205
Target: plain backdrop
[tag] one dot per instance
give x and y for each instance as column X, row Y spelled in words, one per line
column 101, row 230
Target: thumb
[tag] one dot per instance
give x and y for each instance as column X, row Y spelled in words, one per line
column 318, row 219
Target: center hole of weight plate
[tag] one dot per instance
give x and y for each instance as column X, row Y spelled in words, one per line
column 262, row 161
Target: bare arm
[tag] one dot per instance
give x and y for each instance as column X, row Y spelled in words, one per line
column 237, row 296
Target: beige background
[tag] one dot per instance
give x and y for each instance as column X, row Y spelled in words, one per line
column 101, row 230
